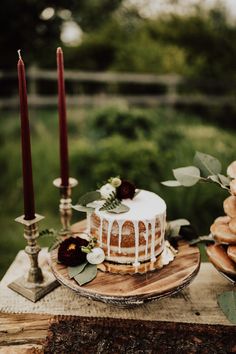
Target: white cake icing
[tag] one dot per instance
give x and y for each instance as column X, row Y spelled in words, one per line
column 146, row 207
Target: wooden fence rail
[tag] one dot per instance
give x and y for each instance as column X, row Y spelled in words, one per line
column 171, row 96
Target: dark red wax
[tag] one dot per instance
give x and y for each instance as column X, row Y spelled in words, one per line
column 64, row 164
column 28, row 188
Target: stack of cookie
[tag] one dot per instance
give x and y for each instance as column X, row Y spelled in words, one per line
column 223, row 253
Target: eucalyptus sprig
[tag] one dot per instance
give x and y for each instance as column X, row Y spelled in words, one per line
column 48, row 232
column 54, row 234
column 108, row 197
column 114, row 205
column 205, row 168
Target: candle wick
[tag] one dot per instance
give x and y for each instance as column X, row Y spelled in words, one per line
column 19, row 50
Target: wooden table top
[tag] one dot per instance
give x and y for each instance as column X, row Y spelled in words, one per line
column 25, row 333
column 194, row 306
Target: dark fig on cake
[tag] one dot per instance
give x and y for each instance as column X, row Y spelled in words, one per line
column 70, row 253
column 126, row 190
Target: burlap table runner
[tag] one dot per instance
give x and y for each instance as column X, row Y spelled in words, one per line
column 197, row 303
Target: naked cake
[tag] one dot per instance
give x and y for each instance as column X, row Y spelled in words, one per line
column 132, row 237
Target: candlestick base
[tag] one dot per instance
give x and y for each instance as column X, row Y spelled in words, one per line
column 34, row 291
column 65, row 204
column 37, row 282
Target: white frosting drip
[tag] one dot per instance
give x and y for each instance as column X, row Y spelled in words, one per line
column 163, row 222
column 109, row 237
column 120, row 225
column 146, row 237
column 89, row 222
column 136, row 236
column 153, row 258
column 100, row 231
column 145, row 207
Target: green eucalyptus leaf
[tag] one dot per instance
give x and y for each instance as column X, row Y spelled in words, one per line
column 175, row 225
column 73, row 271
column 224, row 180
column 207, row 164
column 86, row 249
column 187, row 176
column 202, row 239
column 216, row 179
column 82, row 208
column 121, row 208
column 88, row 274
column 227, row 303
column 89, row 198
column 171, row 183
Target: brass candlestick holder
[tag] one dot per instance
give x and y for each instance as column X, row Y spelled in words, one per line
column 37, row 282
column 65, row 204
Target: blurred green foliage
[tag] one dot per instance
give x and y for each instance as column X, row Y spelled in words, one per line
column 141, row 145
column 116, row 36
column 22, row 26
column 200, row 44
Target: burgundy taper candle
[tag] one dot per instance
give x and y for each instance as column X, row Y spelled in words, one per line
column 28, row 188
column 64, row 164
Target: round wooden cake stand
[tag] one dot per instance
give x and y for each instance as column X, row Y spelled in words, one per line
column 136, row 289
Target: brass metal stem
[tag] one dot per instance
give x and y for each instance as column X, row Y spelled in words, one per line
column 31, row 234
column 65, row 204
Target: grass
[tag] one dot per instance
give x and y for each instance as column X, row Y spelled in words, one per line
column 163, row 140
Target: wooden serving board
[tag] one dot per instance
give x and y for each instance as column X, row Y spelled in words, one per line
column 127, row 290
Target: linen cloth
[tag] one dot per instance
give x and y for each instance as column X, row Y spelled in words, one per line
column 188, row 305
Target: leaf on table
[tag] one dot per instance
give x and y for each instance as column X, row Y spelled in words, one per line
column 88, row 274
column 227, row 303
column 171, row 183
column 73, row 271
column 187, row 176
column 207, row 164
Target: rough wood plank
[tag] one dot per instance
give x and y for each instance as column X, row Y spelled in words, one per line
column 20, row 329
column 22, row 349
